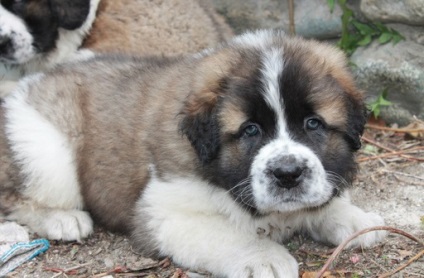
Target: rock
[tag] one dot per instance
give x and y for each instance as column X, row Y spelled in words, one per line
column 399, row 69
column 312, row 18
column 407, row 11
column 410, row 33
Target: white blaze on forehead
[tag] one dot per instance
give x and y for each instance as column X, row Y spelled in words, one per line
column 13, row 28
column 273, row 65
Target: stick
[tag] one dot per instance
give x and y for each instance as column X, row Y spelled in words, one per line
column 400, row 130
column 355, row 235
column 404, row 174
column 65, row 271
column 411, row 260
column 370, row 141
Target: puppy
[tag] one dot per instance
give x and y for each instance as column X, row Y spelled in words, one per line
column 212, row 159
column 37, row 35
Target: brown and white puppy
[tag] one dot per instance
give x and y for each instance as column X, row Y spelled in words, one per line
column 212, row 159
column 37, row 35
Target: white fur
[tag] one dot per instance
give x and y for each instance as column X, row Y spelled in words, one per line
column 54, row 224
column 316, row 190
column 14, row 28
column 260, row 39
column 203, row 228
column 42, row 151
column 273, row 66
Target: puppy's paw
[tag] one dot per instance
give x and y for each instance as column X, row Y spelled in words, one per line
column 271, row 260
column 363, row 221
column 55, row 224
column 68, row 225
column 351, row 219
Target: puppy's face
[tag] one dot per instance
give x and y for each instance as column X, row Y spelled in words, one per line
column 31, row 27
column 279, row 126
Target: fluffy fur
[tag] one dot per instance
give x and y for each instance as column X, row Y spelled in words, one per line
column 37, row 35
column 212, row 159
column 156, row 27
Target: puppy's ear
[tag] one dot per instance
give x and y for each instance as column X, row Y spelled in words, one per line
column 70, row 14
column 200, row 124
column 357, row 117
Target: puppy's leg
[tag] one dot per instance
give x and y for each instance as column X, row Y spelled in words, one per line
column 340, row 219
column 46, row 162
column 203, row 228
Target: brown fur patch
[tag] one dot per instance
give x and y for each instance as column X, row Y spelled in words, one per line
column 156, row 27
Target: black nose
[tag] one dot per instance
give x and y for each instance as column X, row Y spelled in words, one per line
column 288, row 176
column 5, row 44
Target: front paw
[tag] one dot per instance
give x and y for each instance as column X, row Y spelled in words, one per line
column 263, row 260
column 364, row 221
column 55, row 224
column 342, row 225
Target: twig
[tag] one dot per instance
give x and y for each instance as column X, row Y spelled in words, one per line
column 344, row 243
column 65, row 271
column 378, row 265
column 400, row 130
column 385, row 155
column 411, row 260
column 370, row 141
column 291, row 18
column 404, row 174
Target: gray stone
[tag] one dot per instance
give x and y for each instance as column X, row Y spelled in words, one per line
column 406, row 11
column 411, row 33
column 312, row 18
column 399, row 69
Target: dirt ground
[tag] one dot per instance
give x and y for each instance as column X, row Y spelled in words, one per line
column 391, row 184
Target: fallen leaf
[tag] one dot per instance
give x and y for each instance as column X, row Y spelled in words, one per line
column 403, row 254
column 415, row 129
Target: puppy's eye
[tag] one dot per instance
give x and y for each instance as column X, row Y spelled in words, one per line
column 251, row 130
column 313, row 124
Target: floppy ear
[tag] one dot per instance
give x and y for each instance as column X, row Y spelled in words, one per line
column 200, row 122
column 357, row 117
column 71, row 14
column 200, row 125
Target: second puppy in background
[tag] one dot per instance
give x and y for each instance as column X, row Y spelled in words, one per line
column 37, row 35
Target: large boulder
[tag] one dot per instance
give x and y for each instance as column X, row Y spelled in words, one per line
column 312, row 18
column 399, row 69
column 406, row 11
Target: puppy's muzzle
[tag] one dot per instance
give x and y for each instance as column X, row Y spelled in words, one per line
column 288, row 172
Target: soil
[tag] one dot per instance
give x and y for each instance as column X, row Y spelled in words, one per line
column 392, row 186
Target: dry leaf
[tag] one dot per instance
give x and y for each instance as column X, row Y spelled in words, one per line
column 403, row 254
column 415, row 129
